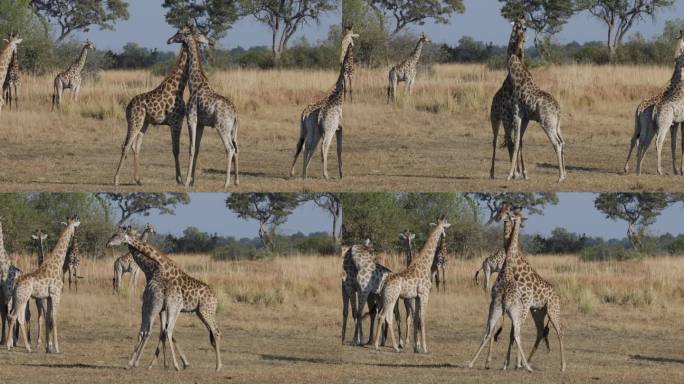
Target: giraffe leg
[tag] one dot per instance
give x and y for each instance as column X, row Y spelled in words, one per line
column 192, row 132
column 195, row 153
column 538, row 315
column 57, row 93
column 409, row 306
column 236, row 154
column 224, row 133
column 309, row 148
column 53, row 305
column 300, row 143
column 673, row 147
column 644, row 142
column 346, row 298
column 4, row 312
column 175, row 127
column 16, row 97
column 516, row 148
column 325, row 147
column 495, row 312
column 137, row 146
column 135, row 124
column 173, row 311
column 517, row 315
column 151, row 306
column 660, row 140
column 554, row 318
column 358, row 333
column 496, row 124
column 423, row 303
column 338, row 135
column 634, row 141
column 41, row 306
column 521, row 161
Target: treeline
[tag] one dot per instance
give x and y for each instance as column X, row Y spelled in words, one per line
column 194, row 241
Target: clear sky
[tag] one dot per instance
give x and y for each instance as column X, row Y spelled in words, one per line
column 147, row 27
column 208, row 212
column 576, row 212
column 482, row 20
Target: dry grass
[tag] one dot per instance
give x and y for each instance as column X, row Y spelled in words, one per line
column 280, row 322
column 438, row 140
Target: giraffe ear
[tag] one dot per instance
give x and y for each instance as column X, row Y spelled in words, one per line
column 412, row 236
column 34, row 237
column 433, row 224
column 447, row 225
column 402, row 236
column 18, row 41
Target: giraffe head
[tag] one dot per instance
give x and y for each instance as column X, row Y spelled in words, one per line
column 518, row 36
column 679, row 54
column 121, row 236
column 13, row 40
column 406, row 238
column 441, row 225
column 39, row 236
column 72, row 222
column 424, row 38
column 149, row 228
column 89, row 45
column 348, row 36
column 187, row 35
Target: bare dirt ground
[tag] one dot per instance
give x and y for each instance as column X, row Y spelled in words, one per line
column 438, row 140
column 281, row 319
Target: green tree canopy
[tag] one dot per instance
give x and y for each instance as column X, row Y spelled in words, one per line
column 534, row 203
column 402, row 13
column 80, row 15
column 212, row 17
column 140, row 203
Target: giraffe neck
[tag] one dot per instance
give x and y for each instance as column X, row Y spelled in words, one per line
column 5, row 59
column 517, row 71
column 41, row 251
column 197, row 78
column 415, row 56
column 513, row 246
column 178, row 76
column 149, row 254
column 423, row 261
column 54, row 262
column 80, row 63
column 145, row 235
column 515, row 46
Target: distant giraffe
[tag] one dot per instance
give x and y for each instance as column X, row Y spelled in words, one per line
column 39, row 238
column 126, row 264
column 520, row 289
column 8, row 276
column 206, row 108
column 71, row 78
column 439, row 264
column 72, row 263
column 348, row 37
column 322, row 120
column 406, row 70
column 413, row 284
column 182, row 293
column 6, row 56
column 43, row 283
column 12, row 82
column 406, row 239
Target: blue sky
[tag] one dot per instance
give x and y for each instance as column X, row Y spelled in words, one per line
column 482, row 20
column 147, row 27
column 208, row 212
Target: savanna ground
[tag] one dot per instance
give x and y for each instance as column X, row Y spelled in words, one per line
column 440, row 139
column 280, row 321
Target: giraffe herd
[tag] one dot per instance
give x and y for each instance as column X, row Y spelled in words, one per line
column 517, row 290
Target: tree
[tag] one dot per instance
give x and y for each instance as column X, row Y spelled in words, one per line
column 374, row 216
column 80, row 15
column 407, row 12
column 639, row 210
column 285, row 17
column 534, row 203
column 269, row 209
column 139, row 203
column 545, row 17
column 212, row 17
column 332, row 203
column 621, row 15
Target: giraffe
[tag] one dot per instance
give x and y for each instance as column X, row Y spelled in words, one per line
column 44, row 283
column 492, row 264
column 153, row 300
column 8, row 276
column 182, row 293
column 163, row 105
column 501, row 112
column 72, row 263
column 348, row 37
column 518, row 289
column 367, row 277
column 6, row 56
column 71, row 78
column 531, row 103
column 322, row 119
column 126, row 264
column 406, row 239
column 12, row 81
column 413, row 284
column 439, row 263
column 206, row 108
column 39, row 238
column 664, row 114
column 406, row 70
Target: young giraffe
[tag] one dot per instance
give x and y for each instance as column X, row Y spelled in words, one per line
column 323, row 118
column 163, row 105
column 497, row 289
column 39, row 238
column 492, row 264
column 6, row 56
column 182, row 293
column 413, row 284
column 348, row 37
column 368, row 281
column 501, row 111
column 531, row 103
column 71, row 78
column 72, row 263
column 207, row 108
column 152, row 301
column 406, row 239
column 666, row 112
column 406, row 70
column 519, row 289
column 439, row 263
column 126, row 264
column 12, row 81
column 44, row 283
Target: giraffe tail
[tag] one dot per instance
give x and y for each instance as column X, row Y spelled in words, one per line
column 476, row 274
